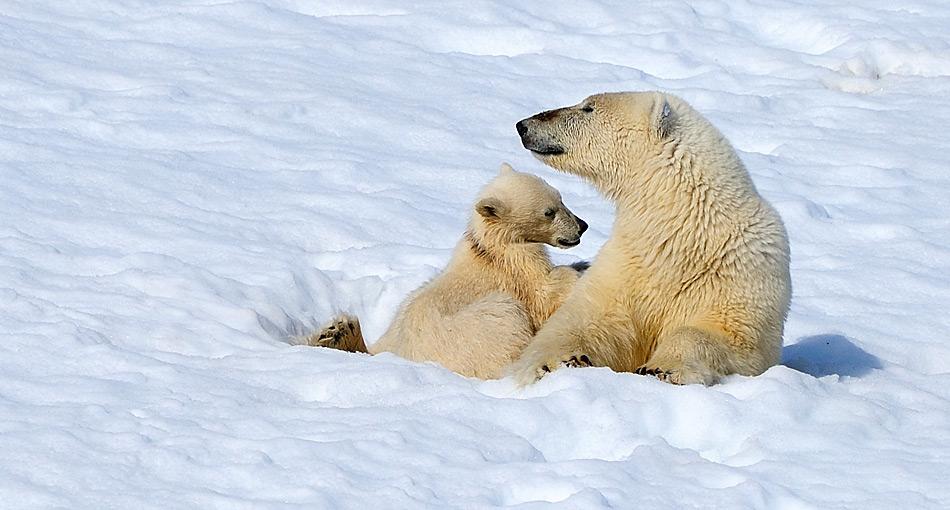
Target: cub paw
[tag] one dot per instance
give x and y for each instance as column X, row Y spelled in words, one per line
column 580, row 266
column 342, row 333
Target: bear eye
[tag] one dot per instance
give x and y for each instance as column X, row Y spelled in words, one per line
column 550, row 213
column 587, row 108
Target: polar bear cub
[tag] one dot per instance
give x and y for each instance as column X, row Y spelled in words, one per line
column 693, row 283
column 476, row 317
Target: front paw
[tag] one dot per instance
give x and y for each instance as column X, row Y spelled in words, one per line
column 531, row 370
column 578, row 361
column 568, row 274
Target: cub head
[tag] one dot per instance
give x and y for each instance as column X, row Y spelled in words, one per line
column 602, row 134
column 516, row 207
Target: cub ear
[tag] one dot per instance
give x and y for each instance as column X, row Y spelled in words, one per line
column 505, row 169
column 664, row 119
column 490, row 207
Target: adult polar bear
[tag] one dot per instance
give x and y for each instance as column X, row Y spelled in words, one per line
column 693, row 283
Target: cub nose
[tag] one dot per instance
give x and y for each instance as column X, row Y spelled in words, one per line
column 582, row 224
column 521, row 127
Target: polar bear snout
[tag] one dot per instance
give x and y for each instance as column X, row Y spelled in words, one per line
column 536, row 138
column 522, row 127
column 569, row 241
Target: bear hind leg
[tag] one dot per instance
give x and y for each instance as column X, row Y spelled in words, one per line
column 690, row 355
column 485, row 338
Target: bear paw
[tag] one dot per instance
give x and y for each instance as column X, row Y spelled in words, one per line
column 669, row 376
column 528, row 372
column 580, row 266
column 342, row 333
column 577, row 362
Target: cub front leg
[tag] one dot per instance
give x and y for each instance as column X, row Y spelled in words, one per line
column 560, row 282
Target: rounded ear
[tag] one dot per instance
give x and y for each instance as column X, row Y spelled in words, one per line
column 664, row 118
column 490, row 207
column 506, row 169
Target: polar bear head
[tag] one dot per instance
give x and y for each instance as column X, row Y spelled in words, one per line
column 637, row 146
column 604, row 136
column 517, row 207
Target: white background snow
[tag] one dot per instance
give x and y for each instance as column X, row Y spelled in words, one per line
column 186, row 185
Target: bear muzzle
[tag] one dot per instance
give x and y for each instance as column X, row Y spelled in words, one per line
column 581, row 228
column 533, row 140
column 581, row 225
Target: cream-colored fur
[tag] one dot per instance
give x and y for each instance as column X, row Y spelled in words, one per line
column 693, row 283
column 499, row 287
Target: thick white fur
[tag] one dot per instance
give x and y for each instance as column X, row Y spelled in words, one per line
column 693, row 283
column 476, row 317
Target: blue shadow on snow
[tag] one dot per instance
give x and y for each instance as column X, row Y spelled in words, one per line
column 822, row 355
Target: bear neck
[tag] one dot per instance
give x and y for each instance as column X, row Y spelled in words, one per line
column 691, row 180
column 494, row 250
column 518, row 268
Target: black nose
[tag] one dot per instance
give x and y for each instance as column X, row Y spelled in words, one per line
column 521, row 127
column 582, row 224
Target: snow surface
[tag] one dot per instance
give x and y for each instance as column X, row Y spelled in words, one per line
column 186, row 185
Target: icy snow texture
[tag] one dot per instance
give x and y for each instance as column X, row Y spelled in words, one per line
column 185, row 186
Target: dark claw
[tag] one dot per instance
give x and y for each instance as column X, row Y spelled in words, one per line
column 655, row 372
column 578, row 361
column 333, row 335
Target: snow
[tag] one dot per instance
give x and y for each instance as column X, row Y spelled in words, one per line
column 185, row 186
